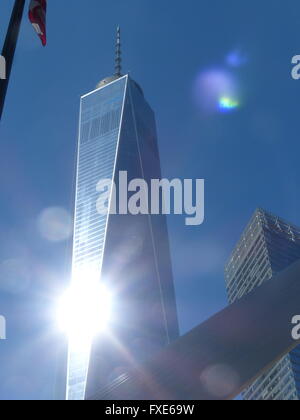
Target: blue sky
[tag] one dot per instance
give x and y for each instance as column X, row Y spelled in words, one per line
column 248, row 157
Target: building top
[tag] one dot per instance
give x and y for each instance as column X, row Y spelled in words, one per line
column 262, row 220
column 107, row 80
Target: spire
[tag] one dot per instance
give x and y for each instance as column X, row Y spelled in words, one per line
column 118, row 61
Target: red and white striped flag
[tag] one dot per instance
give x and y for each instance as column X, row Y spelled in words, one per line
column 37, row 16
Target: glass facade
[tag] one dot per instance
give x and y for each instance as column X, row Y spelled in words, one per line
column 268, row 245
column 129, row 253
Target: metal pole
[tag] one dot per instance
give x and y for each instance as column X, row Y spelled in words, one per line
column 9, row 47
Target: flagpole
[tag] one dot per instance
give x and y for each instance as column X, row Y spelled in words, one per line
column 9, row 47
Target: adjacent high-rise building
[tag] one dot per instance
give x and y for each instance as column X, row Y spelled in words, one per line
column 128, row 253
column 267, row 246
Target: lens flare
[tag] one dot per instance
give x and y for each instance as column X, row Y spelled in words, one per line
column 55, row 224
column 228, row 104
column 217, row 90
column 236, row 58
column 15, row 275
column 220, row 380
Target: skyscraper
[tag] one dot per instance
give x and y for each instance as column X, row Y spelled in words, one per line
column 128, row 253
column 267, row 246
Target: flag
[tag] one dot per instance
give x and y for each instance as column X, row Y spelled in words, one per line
column 37, row 16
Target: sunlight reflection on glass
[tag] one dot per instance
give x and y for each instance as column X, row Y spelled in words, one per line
column 84, row 310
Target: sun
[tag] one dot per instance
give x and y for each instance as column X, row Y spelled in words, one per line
column 84, row 311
